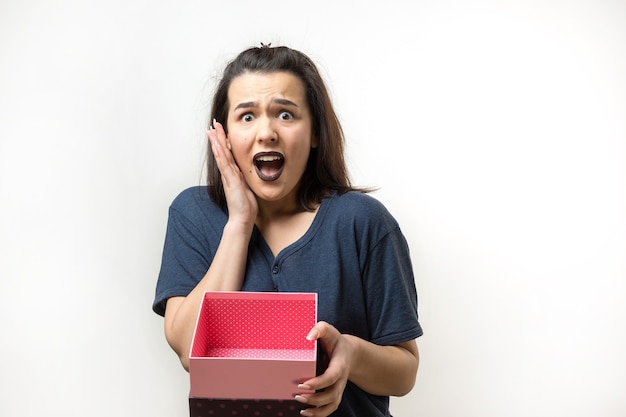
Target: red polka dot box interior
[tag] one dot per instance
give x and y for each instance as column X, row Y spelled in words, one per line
column 249, row 353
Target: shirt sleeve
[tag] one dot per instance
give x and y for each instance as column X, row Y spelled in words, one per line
column 187, row 254
column 391, row 295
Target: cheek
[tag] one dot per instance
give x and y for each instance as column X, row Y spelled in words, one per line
column 239, row 149
column 305, row 148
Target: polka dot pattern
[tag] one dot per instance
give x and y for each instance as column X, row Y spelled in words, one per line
column 256, row 326
column 205, row 407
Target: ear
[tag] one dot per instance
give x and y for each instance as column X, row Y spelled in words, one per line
column 314, row 142
column 228, row 143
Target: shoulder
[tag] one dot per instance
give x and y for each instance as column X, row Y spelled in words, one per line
column 191, row 195
column 196, row 196
column 362, row 211
column 194, row 203
column 360, row 204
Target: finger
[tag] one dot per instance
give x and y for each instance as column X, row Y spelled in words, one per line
column 323, row 381
column 217, row 136
column 320, row 330
column 218, row 151
column 225, row 161
column 320, row 406
column 327, row 334
column 210, row 133
column 318, row 411
column 319, row 398
column 221, row 134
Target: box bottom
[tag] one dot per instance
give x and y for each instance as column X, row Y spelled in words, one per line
column 211, row 407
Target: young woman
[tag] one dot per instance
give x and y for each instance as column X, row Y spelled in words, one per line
column 279, row 214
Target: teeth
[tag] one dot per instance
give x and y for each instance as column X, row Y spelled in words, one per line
column 268, row 158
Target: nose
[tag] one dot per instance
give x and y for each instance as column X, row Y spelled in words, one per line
column 266, row 131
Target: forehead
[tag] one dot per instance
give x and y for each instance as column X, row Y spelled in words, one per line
column 256, row 87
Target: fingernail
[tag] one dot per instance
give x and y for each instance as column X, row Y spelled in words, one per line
column 305, row 413
column 304, row 386
column 313, row 334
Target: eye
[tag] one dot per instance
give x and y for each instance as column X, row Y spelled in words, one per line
column 248, row 117
column 285, row 115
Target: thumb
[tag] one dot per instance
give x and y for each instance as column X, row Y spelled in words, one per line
column 318, row 331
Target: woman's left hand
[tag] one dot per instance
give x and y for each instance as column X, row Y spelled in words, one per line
column 330, row 385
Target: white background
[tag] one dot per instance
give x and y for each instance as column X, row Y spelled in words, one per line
column 495, row 129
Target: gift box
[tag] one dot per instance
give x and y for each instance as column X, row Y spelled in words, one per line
column 207, row 407
column 249, row 352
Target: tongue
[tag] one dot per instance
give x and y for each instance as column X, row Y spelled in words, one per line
column 269, row 171
column 270, row 168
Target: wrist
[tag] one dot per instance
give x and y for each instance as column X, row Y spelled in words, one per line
column 354, row 345
column 238, row 227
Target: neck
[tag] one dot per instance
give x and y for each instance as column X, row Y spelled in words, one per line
column 269, row 210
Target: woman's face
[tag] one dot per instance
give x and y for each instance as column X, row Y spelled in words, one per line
column 270, row 132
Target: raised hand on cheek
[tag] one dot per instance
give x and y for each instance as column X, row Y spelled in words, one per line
column 240, row 199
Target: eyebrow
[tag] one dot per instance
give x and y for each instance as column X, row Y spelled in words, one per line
column 281, row 101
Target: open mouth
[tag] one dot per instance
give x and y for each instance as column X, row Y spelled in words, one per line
column 269, row 165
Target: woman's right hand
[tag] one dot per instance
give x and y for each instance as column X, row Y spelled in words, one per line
column 227, row 269
column 241, row 201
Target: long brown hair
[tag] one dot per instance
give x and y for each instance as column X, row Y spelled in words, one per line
column 326, row 170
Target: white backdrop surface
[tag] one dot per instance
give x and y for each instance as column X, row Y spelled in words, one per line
column 495, row 130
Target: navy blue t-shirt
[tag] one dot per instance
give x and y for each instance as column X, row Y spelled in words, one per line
column 354, row 256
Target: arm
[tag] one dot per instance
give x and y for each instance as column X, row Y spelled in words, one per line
column 225, row 274
column 227, row 269
column 379, row 370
